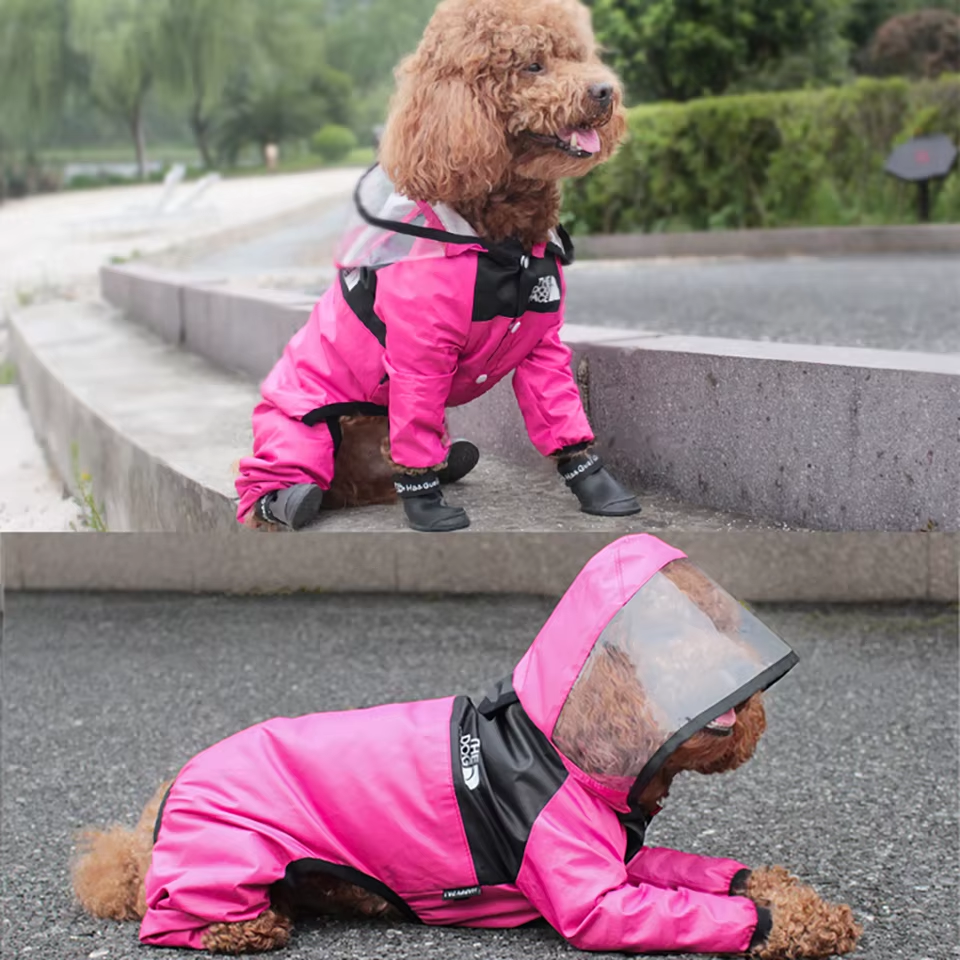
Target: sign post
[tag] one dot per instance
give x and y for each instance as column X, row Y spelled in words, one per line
column 920, row 161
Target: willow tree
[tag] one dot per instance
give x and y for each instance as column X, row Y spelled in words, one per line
column 120, row 42
column 37, row 66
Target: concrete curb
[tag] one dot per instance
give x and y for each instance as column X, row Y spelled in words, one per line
column 830, row 438
column 143, row 469
column 806, row 241
column 758, row 567
column 158, row 429
column 824, row 438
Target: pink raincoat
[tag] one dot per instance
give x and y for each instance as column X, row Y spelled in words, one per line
column 424, row 316
column 473, row 815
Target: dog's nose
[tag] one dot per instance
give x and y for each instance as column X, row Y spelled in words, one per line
column 602, row 92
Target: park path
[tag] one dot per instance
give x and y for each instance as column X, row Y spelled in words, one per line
column 53, row 246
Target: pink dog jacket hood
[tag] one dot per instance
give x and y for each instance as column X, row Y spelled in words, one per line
column 498, row 814
column 426, row 315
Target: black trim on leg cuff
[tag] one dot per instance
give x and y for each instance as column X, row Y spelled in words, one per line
column 764, row 925
column 738, row 885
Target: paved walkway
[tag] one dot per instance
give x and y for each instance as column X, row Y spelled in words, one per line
column 883, row 302
column 888, row 302
column 854, row 786
column 53, row 246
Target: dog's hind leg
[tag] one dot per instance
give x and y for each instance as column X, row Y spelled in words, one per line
column 269, row 931
column 109, row 871
column 362, row 477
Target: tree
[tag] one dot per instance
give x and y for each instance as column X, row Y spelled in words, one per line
column 919, row 45
column 35, row 76
column 265, row 112
column 865, row 17
column 120, row 42
column 681, row 49
column 366, row 39
column 203, row 43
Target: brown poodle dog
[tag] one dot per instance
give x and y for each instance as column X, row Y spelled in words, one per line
column 108, row 875
column 474, row 125
column 606, row 710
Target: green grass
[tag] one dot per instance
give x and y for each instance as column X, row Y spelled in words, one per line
column 8, row 373
column 167, row 153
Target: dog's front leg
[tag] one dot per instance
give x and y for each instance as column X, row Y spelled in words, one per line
column 804, row 925
column 269, row 931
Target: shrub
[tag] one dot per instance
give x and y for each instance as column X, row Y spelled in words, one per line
column 769, row 160
column 334, row 143
column 921, row 45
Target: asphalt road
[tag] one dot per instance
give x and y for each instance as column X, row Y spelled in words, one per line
column 884, row 302
column 855, row 786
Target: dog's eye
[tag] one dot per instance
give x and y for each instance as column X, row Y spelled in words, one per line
column 535, row 68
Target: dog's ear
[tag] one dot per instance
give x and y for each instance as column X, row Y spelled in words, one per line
column 444, row 142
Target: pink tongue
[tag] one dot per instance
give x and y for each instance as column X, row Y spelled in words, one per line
column 727, row 720
column 587, row 140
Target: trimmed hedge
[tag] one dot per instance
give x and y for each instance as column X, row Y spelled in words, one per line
column 805, row 158
column 334, row 143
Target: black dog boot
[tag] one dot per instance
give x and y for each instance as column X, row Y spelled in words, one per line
column 598, row 492
column 424, row 505
column 295, row 507
column 462, row 457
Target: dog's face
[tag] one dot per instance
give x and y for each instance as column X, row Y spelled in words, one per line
column 650, row 672
column 500, row 89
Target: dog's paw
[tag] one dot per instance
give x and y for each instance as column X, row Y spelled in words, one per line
column 269, row 931
column 261, row 526
column 805, row 927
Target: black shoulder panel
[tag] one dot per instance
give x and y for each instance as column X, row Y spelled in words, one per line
column 505, row 772
column 635, row 825
column 359, row 289
column 510, row 285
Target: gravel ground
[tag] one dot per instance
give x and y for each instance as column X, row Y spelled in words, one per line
column 855, row 786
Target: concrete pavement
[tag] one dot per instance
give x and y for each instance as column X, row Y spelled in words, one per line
column 891, row 302
column 53, row 246
column 854, row 786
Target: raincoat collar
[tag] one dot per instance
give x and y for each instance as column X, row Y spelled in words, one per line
column 442, row 224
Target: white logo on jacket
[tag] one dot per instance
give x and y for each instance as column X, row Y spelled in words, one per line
column 470, row 760
column 546, row 291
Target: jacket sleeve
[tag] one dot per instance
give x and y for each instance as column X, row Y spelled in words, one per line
column 548, row 396
column 673, row 869
column 573, row 874
column 428, row 321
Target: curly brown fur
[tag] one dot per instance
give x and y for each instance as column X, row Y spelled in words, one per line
column 362, row 477
column 607, row 728
column 111, row 864
column 399, row 467
column 269, row 931
column 706, row 752
column 719, row 606
column 467, row 107
column 804, row 925
column 319, row 894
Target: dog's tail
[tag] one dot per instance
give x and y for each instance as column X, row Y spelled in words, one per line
column 111, row 865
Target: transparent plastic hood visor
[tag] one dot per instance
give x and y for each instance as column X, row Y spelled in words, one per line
column 678, row 655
